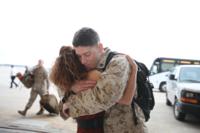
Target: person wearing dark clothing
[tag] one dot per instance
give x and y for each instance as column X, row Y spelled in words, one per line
column 12, row 77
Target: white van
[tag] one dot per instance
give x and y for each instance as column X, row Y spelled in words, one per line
column 160, row 69
column 183, row 90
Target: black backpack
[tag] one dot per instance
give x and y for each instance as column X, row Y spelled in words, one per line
column 145, row 97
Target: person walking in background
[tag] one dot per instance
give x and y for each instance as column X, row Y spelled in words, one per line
column 12, row 77
column 108, row 91
column 26, row 69
column 40, row 87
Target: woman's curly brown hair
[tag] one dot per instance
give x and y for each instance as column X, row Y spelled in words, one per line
column 67, row 69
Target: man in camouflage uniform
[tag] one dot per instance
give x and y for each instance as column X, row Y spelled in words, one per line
column 108, row 90
column 40, row 87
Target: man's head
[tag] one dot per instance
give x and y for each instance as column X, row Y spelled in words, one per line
column 40, row 62
column 87, row 45
column 85, row 37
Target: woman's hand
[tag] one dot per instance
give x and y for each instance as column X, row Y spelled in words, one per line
column 82, row 85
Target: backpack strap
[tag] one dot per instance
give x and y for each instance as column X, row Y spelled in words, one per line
column 110, row 56
column 135, row 118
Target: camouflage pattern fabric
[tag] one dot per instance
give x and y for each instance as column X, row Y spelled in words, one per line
column 120, row 119
column 41, row 82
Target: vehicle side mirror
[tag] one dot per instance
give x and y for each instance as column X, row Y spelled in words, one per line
column 172, row 77
column 152, row 73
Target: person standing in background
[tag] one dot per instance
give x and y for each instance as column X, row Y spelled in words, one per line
column 12, row 77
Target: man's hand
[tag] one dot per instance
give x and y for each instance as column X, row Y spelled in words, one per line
column 83, row 85
column 133, row 64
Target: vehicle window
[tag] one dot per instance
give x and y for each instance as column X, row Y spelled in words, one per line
column 154, row 69
column 190, row 74
column 166, row 66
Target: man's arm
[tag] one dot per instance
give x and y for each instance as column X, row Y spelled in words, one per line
column 109, row 89
column 131, row 85
column 48, row 84
column 46, row 78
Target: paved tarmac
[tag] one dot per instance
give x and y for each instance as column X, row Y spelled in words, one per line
column 15, row 99
column 12, row 100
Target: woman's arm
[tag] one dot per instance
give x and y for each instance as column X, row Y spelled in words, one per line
column 90, row 82
column 131, row 85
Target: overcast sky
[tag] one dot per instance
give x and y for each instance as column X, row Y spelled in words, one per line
column 144, row 29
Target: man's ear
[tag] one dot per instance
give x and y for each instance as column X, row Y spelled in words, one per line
column 101, row 47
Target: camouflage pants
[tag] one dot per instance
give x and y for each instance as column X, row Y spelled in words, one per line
column 33, row 95
column 120, row 119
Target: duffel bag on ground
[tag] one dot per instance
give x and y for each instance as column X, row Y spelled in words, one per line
column 50, row 103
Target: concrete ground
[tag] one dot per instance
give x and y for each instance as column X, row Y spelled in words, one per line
column 12, row 100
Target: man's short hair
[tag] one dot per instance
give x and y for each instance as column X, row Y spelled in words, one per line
column 85, row 37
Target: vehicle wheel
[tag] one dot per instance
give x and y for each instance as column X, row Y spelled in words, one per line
column 167, row 101
column 163, row 87
column 177, row 114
